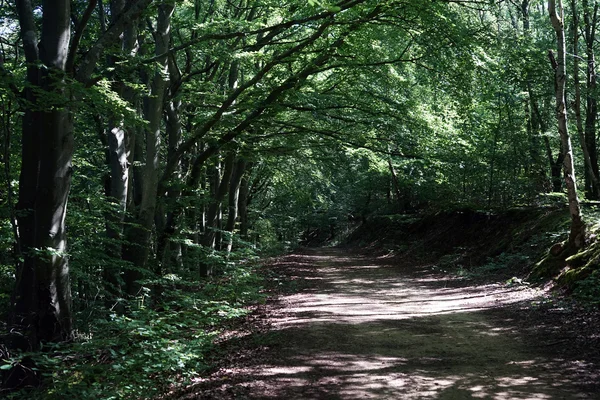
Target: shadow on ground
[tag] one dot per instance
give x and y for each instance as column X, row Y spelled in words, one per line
column 363, row 328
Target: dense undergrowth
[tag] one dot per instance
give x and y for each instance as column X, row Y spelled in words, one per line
column 160, row 340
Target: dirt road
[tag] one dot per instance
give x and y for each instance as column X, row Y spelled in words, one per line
column 364, row 328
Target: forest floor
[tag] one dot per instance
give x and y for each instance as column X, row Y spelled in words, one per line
column 351, row 326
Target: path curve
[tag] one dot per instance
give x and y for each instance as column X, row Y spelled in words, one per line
column 364, row 328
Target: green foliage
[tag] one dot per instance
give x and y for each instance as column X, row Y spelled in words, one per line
column 588, row 289
column 502, row 264
column 147, row 350
column 346, row 112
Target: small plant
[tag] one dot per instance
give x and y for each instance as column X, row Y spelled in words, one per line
column 144, row 351
column 588, row 289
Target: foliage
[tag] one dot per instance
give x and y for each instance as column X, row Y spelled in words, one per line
column 588, row 289
column 147, row 350
column 297, row 120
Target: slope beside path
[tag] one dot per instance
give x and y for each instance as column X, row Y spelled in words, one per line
column 360, row 327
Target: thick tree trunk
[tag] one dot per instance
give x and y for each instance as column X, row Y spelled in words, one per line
column 169, row 210
column 23, row 299
column 42, row 298
column 577, row 233
column 120, row 141
column 41, row 303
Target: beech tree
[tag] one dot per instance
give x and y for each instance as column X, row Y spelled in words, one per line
column 577, row 234
column 188, row 137
column 189, row 120
column 42, row 297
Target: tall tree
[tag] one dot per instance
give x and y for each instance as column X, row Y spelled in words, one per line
column 592, row 187
column 42, row 296
column 138, row 249
column 577, row 232
column 587, row 143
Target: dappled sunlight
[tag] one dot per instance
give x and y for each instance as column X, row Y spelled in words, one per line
column 356, row 295
column 347, row 376
column 364, row 331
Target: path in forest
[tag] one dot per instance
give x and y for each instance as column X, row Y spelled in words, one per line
column 362, row 328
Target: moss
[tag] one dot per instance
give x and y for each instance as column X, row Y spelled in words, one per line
column 569, row 277
column 554, row 262
column 548, row 267
column 585, row 258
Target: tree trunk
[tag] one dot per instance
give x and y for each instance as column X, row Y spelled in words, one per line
column 138, row 249
column 396, row 185
column 120, row 141
column 221, row 186
column 244, row 202
column 234, row 195
column 555, row 164
column 592, row 186
column 169, row 209
column 41, row 302
column 591, row 180
column 42, row 297
column 535, row 169
column 577, row 233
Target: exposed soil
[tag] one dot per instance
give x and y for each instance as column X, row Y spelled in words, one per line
column 367, row 327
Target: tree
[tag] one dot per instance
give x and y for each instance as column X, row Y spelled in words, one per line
column 204, row 109
column 42, row 297
column 587, row 138
column 577, row 233
column 592, row 186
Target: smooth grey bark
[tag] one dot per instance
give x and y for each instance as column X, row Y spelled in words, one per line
column 577, row 231
column 41, row 302
column 23, row 300
column 120, row 139
column 137, row 250
column 233, row 204
column 169, row 211
column 42, row 297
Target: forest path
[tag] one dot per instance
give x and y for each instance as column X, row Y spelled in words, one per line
column 364, row 328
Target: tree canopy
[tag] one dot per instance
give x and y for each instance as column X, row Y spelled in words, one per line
column 144, row 140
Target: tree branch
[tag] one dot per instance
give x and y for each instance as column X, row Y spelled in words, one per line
column 77, row 36
column 130, row 13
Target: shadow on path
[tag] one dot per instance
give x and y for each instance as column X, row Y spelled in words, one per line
column 364, row 329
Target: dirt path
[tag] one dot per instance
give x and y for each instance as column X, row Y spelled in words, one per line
column 362, row 329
